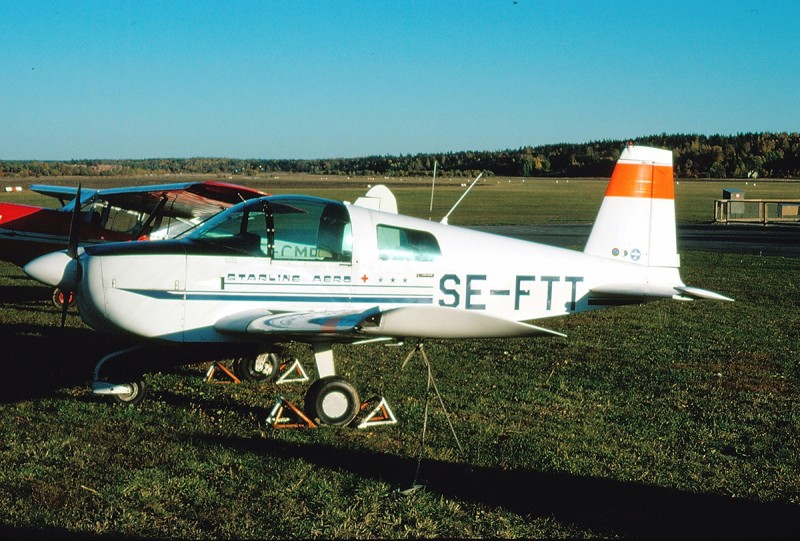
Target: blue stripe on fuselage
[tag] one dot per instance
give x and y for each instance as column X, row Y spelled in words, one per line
column 225, row 296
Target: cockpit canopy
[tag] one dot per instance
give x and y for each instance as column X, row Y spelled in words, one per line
column 304, row 228
column 288, row 227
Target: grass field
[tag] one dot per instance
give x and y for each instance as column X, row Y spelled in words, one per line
column 493, row 201
column 664, row 420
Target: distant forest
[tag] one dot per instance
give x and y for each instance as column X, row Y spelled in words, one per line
column 747, row 155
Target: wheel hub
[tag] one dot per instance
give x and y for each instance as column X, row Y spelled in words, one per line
column 263, row 364
column 335, row 404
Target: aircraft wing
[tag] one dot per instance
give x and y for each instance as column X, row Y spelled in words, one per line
column 184, row 200
column 338, row 324
column 414, row 322
column 62, row 193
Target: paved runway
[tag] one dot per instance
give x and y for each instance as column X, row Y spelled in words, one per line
column 771, row 240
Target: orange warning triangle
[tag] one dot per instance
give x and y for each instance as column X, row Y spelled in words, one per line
column 380, row 414
column 292, row 373
column 217, row 366
column 284, row 414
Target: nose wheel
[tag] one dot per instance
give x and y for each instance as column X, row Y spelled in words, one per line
column 137, row 392
column 333, row 400
column 59, row 298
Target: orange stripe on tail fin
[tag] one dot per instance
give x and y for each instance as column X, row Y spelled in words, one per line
column 641, row 180
column 636, row 222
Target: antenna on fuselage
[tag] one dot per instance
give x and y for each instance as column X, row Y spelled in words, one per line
column 444, row 220
column 433, row 186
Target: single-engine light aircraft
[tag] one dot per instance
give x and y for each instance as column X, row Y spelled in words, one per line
column 115, row 214
column 297, row 268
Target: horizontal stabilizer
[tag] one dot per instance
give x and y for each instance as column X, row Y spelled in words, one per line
column 441, row 322
column 697, row 293
column 656, row 291
column 635, row 290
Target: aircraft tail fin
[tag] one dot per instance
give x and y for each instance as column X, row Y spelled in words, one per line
column 636, row 222
column 379, row 197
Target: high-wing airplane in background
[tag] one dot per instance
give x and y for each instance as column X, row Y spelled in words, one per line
column 115, row 214
column 297, row 268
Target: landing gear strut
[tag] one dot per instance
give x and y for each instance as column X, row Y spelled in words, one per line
column 126, row 387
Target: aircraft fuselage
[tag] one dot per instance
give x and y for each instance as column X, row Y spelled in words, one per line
column 190, row 284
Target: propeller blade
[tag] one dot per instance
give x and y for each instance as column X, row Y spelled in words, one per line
column 74, row 226
column 72, row 251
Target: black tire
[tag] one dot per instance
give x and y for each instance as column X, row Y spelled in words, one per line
column 262, row 367
column 59, row 296
column 137, row 394
column 333, row 401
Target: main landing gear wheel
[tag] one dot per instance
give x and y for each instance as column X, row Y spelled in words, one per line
column 332, row 400
column 137, row 393
column 263, row 367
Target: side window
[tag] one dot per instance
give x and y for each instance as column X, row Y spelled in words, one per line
column 311, row 230
column 400, row 244
column 102, row 214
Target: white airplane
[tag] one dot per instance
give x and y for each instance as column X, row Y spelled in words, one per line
column 287, row 268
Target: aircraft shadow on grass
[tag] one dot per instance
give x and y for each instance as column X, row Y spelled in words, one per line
column 42, row 359
column 23, row 293
column 606, row 506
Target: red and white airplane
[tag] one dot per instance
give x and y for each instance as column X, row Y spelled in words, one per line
column 296, row 268
column 115, row 214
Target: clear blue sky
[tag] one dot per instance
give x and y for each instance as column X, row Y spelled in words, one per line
column 313, row 79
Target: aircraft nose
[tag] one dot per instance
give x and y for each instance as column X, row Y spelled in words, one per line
column 56, row 269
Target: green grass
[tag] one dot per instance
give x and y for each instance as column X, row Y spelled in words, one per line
column 493, row 201
column 669, row 419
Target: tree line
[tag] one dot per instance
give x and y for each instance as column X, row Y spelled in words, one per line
column 744, row 155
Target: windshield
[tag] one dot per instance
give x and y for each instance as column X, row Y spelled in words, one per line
column 242, row 228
